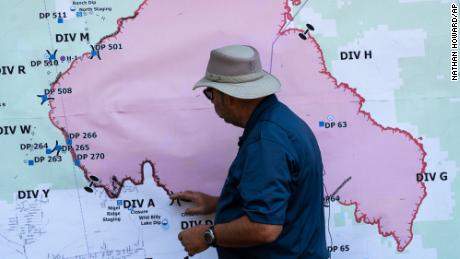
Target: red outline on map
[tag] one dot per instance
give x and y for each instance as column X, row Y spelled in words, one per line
column 115, row 182
column 286, row 16
column 367, row 115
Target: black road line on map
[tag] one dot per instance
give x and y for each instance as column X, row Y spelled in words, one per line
column 328, row 220
column 66, row 123
column 23, row 252
column 286, row 25
column 328, row 224
column 340, row 186
column 329, row 209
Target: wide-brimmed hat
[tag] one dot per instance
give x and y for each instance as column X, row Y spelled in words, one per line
column 236, row 70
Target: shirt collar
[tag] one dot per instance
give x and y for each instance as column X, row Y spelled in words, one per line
column 256, row 114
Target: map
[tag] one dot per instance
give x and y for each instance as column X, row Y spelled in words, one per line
column 99, row 123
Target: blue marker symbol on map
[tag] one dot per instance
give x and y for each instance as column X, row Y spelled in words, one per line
column 60, row 20
column 44, row 98
column 31, row 162
column 165, row 224
column 51, row 56
column 94, row 53
column 57, row 148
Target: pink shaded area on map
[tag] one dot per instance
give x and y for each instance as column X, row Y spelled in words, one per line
column 381, row 163
column 139, row 101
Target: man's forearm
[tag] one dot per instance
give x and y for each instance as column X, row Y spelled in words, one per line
column 244, row 233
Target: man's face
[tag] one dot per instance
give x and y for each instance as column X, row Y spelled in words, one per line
column 221, row 105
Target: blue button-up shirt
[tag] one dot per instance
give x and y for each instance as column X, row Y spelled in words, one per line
column 276, row 178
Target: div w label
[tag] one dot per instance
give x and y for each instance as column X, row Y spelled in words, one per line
column 15, row 129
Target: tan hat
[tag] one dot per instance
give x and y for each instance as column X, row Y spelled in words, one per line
column 237, row 71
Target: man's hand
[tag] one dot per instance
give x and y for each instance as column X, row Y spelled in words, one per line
column 193, row 239
column 204, row 204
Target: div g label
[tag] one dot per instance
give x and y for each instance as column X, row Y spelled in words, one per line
column 432, row 176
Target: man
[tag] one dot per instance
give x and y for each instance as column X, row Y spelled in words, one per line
column 271, row 205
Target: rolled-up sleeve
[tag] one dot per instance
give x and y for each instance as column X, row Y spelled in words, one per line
column 265, row 182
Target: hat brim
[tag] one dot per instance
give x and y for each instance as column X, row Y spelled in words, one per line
column 264, row 86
